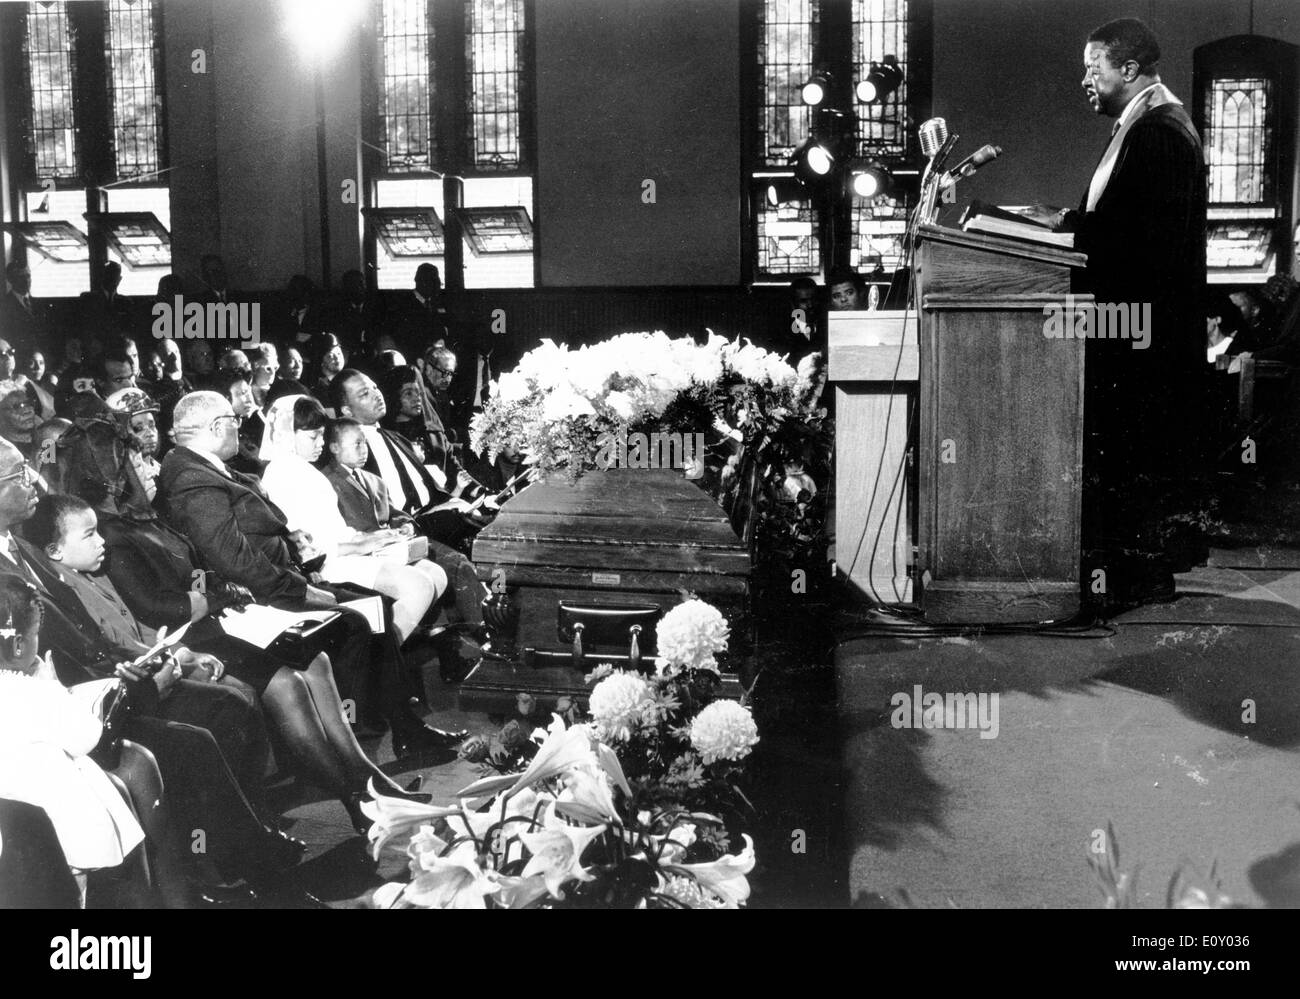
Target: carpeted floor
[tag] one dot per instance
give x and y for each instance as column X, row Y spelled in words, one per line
column 1180, row 729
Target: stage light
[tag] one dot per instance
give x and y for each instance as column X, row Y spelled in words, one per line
column 783, row 189
column 318, row 27
column 812, row 161
column 867, row 179
column 883, row 79
column 817, row 88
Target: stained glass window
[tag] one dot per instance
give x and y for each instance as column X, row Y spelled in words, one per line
column 788, row 240
column 878, row 228
column 48, row 54
column 494, row 32
column 1240, row 137
column 879, row 30
column 130, row 49
column 406, row 38
column 787, row 54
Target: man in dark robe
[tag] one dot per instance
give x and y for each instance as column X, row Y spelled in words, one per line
column 1142, row 225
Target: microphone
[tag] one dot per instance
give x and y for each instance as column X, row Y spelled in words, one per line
column 970, row 164
column 933, row 133
column 941, row 157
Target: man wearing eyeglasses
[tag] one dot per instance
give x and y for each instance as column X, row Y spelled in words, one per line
column 242, row 536
column 439, row 369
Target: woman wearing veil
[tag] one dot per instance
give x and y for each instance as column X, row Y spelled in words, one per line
column 294, row 439
column 157, row 572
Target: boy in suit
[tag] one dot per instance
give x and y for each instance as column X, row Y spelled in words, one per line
column 365, row 505
column 363, row 497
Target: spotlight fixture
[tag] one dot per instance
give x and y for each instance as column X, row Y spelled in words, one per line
column 817, row 89
column 866, row 180
column 812, row 161
column 783, row 189
column 882, row 80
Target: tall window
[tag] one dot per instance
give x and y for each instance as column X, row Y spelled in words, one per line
column 1245, row 108
column 493, row 56
column 93, row 141
column 404, row 99
column 886, row 134
column 131, row 51
column 452, row 167
column 49, row 59
column 791, row 40
column 788, row 235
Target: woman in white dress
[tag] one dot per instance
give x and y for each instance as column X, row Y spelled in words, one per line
column 294, row 438
column 46, row 734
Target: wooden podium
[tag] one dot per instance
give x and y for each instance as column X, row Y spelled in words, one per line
column 872, row 361
column 1001, row 430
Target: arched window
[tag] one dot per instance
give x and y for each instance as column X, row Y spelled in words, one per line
column 1245, row 107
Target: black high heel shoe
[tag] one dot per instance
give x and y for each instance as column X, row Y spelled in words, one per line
column 352, row 803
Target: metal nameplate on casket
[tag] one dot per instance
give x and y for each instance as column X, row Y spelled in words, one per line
column 585, row 570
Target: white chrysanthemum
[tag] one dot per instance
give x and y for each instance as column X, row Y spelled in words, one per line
column 690, row 634
column 621, row 403
column 512, row 387
column 619, row 703
column 724, row 730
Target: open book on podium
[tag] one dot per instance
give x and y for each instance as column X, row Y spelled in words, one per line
column 1033, row 223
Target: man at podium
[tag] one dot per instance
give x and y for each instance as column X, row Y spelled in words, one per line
column 1142, row 225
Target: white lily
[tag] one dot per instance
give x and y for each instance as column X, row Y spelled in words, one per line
column 394, row 816
column 725, row 877
column 557, row 852
column 454, row 881
column 589, row 787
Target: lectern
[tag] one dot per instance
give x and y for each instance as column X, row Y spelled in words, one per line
column 1000, row 444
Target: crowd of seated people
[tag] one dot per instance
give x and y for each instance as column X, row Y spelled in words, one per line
column 148, row 486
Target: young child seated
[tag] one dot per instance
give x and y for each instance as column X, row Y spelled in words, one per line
column 46, row 737
column 363, row 497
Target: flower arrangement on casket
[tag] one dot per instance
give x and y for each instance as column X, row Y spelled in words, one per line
column 561, row 406
column 633, row 807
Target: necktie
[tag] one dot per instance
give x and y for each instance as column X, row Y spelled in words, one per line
column 409, row 492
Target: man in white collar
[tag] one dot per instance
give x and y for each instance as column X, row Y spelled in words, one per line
column 1142, row 225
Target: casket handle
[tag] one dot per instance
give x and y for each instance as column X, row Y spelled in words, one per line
column 578, row 627
column 634, row 652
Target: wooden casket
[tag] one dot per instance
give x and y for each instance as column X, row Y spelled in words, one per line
column 585, row 570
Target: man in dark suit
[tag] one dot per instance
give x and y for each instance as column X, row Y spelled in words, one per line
column 412, row 485
column 355, row 319
column 21, row 320
column 419, row 318
column 299, row 319
column 104, row 311
column 242, row 536
column 1142, row 225
column 215, row 283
